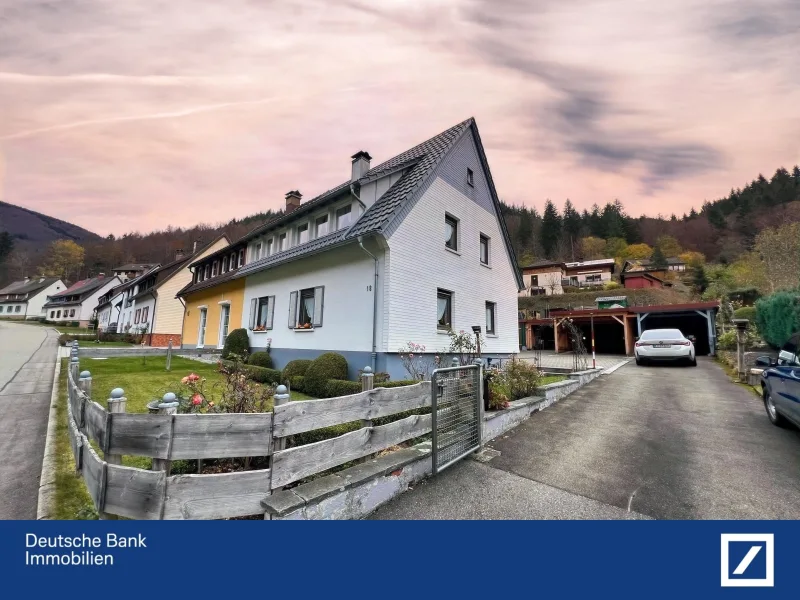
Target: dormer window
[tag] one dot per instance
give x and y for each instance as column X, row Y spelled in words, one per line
column 241, row 257
column 269, row 247
column 207, row 271
column 233, row 261
column 282, row 242
column 470, row 178
column 322, row 225
column 343, row 217
column 302, row 233
column 257, row 251
column 214, row 268
column 225, row 265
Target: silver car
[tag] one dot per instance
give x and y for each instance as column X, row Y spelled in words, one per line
column 664, row 345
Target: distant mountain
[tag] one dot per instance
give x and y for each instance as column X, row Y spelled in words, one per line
column 29, row 228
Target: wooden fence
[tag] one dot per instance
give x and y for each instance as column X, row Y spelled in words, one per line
column 95, row 431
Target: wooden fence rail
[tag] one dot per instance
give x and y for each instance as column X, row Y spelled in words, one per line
column 140, row 494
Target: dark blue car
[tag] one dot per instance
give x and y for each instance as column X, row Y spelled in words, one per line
column 780, row 383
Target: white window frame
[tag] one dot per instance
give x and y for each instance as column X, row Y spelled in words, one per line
column 256, row 251
column 456, row 232
column 493, row 306
column 307, row 226
column 202, row 325
column 268, row 251
column 241, row 257
column 450, row 294
column 483, row 237
column 255, row 314
column 224, row 308
column 281, row 243
column 349, row 213
column 327, row 218
column 319, row 308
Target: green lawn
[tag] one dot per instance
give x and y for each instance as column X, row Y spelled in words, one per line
column 551, row 379
column 96, row 344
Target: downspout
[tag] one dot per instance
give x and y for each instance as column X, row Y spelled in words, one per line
column 374, row 306
column 183, row 321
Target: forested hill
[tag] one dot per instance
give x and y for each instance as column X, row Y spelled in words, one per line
column 722, row 230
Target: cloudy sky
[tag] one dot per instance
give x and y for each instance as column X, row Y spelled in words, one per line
column 123, row 116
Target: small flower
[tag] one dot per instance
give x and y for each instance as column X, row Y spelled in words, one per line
column 410, row 356
column 185, row 380
column 210, row 404
column 197, row 399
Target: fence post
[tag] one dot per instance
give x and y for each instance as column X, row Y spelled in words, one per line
column 116, row 404
column 168, row 406
column 741, row 333
column 367, row 383
column 85, row 383
column 281, row 397
column 481, row 400
column 169, row 355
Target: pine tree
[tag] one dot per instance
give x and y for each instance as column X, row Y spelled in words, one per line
column 551, row 229
column 613, row 221
column 595, row 223
column 657, row 259
column 572, row 226
column 525, row 231
column 700, row 281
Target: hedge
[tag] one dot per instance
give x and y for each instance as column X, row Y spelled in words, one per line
column 263, row 374
column 329, row 365
column 260, row 359
column 778, row 317
column 237, row 343
column 341, row 387
column 398, row 383
column 297, row 383
column 296, row 368
column 746, row 312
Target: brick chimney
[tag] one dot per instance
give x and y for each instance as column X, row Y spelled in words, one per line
column 360, row 165
column 179, row 254
column 292, row 200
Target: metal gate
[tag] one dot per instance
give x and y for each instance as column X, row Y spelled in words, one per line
column 457, row 414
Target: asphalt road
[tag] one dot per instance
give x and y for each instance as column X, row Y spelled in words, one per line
column 27, row 364
column 643, row 442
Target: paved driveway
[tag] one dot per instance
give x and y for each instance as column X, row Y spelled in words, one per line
column 659, row 442
column 27, row 363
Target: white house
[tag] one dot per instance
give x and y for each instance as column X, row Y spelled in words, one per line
column 402, row 252
column 25, row 299
column 110, row 305
column 78, row 302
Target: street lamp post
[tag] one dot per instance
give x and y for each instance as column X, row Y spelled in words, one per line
column 594, row 361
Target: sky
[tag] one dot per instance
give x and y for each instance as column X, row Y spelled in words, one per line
column 132, row 116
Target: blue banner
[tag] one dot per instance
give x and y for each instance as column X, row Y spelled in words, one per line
column 656, row 559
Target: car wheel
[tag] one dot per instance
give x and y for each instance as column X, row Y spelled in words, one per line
column 694, row 362
column 774, row 416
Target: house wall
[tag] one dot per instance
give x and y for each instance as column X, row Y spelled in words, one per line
column 89, row 303
column 167, row 321
column 148, row 302
column 229, row 291
column 640, row 282
column 36, row 302
column 5, row 313
column 549, row 280
column 348, row 275
column 420, row 263
column 581, row 274
column 373, row 190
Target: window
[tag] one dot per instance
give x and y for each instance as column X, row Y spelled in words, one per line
column 58, row 314
column 444, row 308
column 306, row 307
column 490, row 317
column 145, row 314
column 534, row 281
column 451, row 232
column 268, row 251
column 262, row 311
column 137, row 316
column 282, row 242
column 484, row 250
column 207, row 272
column 302, row 233
column 224, row 324
column 593, row 277
column 52, row 314
column 225, row 265
column 232, row 263
column 215, row 268
column 1, row 309
column 257, row 251
column 241, row 257
column 322, row 225
column 201, row 332
column 18, row 307
column 71, row 312
column 470, row 178
column 343, row 217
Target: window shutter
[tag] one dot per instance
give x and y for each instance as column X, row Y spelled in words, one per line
column 270, row 311
column 292, row 310
column 253, row 310
column 319, row 305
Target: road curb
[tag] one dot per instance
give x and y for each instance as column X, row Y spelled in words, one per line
column 613, row 368
column 47, row 479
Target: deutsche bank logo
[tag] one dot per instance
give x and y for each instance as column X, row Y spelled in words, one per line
column 748, row 559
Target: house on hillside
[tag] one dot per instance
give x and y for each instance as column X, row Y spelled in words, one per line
column 640, row 279
column 213, row 298
column 405, row 251
column 674, row 265
column 156, row 309
column 24, row 299
column 111, row 304
column 78, row 302
column 543, row 277
column 589, row 273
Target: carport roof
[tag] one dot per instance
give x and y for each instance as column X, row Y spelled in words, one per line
column 633, row 310
column 668, row 308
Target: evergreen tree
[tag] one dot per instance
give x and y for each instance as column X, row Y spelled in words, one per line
column 613, row 221
column 572, row 226
column 551, row 229
column 595, row 222
column 6, row 245
column 657, row 259
column 700, row 281
column 525, row 230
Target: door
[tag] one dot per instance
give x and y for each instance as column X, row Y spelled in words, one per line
column 224, row 320
column 201, row 334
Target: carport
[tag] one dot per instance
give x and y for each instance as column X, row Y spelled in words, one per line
column 696, row 318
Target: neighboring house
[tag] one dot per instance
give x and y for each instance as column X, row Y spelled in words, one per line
column 589, row 273
column 25, row 299
column 112, row 309
column 78, row 302
column 403, row 252
column 543, row 277
column 640, row 279
column 132, row 271
column 213, row 298
column 157, row 311
column 674, row 265
column 109, row 306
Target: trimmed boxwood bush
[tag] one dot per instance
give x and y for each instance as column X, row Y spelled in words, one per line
column 341, row 387
column 263, row 375
column 296, row 368
column 237, row 343
column 398, row 383
column 297, row 383
column 746, row 312
column 260, row 359
column 329, row 365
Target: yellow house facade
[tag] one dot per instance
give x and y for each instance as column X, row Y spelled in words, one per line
column 213, row 299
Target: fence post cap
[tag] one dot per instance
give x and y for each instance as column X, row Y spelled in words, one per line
column 168, row 397
column 117, row 393
column 477, row 361
column 74, row 343
column 455, row 362
column 281, row 389
column 74, row 358
column 85, row 375
column 367, row 370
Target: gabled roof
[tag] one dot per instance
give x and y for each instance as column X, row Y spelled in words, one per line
column 645, row 263
column 28, row 287
column 600, row 262
column 135, row 267
column 419, row 163
column 540, row 264
column 82, row 288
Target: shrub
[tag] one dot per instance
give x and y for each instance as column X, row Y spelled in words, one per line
column 297, row 383
column 329, row 365
column 727, row 341
column 263, row 374
column 398, row 383
column 778, row 317
column 746, row 312
column 518, row 380
column 341, row 387
column 295, row 368
column 326, row 433
column 236, row 343
column 611, row 285
column 260, row 359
